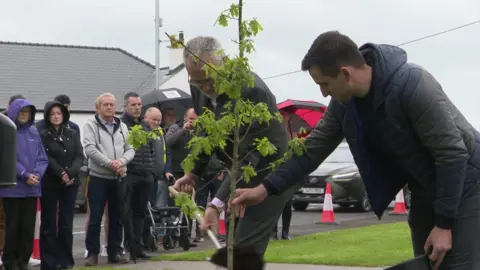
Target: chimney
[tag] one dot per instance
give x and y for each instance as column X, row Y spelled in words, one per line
column 175, row 57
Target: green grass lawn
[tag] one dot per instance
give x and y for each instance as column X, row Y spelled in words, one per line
column 377, row 245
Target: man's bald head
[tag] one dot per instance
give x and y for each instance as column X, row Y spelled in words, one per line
column 153, row 116
column 190, row 115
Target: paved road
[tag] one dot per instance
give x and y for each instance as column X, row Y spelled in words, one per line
column 302, row 223
column 271, row 266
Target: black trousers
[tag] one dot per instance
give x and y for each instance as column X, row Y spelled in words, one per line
column 286, row 219
column 56, row 242
column 20, row 217
column 101, row 190
column 465, row 252
column 137, row 193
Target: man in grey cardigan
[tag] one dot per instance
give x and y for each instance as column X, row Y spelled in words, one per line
column 108, row 153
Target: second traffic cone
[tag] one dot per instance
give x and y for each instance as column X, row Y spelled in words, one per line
column 328, row 216
column 36, row 238
column 222, row 229
column 399, row 208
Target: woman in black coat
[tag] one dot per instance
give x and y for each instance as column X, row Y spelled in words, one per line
column 59, row 186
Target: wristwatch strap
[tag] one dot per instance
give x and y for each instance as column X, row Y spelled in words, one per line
column 211, row 205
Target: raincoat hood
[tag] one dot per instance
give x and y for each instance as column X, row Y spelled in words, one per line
column 49, row 106
column 385, row 59
column 15, row 108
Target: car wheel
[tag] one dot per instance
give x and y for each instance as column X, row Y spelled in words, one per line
column 300, row 206
column 364, row 205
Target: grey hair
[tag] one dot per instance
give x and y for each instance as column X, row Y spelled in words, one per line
column 202, row 46
column 99, row 98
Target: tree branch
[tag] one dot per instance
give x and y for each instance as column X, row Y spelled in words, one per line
column 247, row 154
column 240, row 28
column 225, row 153
column 246, row 132
column 196, row 56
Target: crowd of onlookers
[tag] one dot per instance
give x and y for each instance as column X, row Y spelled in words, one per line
column 50, row 155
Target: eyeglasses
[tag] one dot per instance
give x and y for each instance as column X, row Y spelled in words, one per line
column 200, row 83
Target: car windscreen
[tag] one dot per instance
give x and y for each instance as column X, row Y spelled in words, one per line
column 340, row 155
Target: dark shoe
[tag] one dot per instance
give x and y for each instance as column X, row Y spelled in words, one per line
column 285, row 236
column 274, row 236
column 143, row 256
column 198, row 239
column 10, row 266
column 92, row 260
column 118, row 259
column 222, row 238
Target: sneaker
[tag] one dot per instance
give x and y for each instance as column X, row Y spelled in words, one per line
column 104, row 252
column 86, row 254
column 34, row 262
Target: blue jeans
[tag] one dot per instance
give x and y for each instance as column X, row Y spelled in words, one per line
column 100, row 191
column 162, row 194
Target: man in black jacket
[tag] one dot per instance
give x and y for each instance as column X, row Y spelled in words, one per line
column 256, row 229
column 140, row 172
column 401, row 128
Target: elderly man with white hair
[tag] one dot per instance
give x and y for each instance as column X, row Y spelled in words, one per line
column 255, row 227
column 105, row 140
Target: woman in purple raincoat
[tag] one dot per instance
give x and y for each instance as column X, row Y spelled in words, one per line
column 20, row 202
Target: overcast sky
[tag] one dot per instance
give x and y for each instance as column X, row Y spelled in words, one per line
column 290, row 27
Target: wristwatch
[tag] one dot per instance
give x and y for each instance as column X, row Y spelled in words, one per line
column 211, row 205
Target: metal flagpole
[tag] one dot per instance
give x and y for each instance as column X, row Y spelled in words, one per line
column 158, row 24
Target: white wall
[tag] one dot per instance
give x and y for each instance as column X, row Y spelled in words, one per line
column 79, row 118
column 179, row 80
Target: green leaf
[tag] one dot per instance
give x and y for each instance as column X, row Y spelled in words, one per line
column 188, row 206
column 265, row 147
column 248, row 172
column 137, row 137
column 255, row 27
column 188, row 164
column 223, row 20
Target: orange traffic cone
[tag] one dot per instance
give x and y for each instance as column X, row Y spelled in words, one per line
column 328, row 217
column 222, row 229
column 399, row 208
column 36, row 238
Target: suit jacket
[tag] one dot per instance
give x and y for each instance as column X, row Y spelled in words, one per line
column 274, row 131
